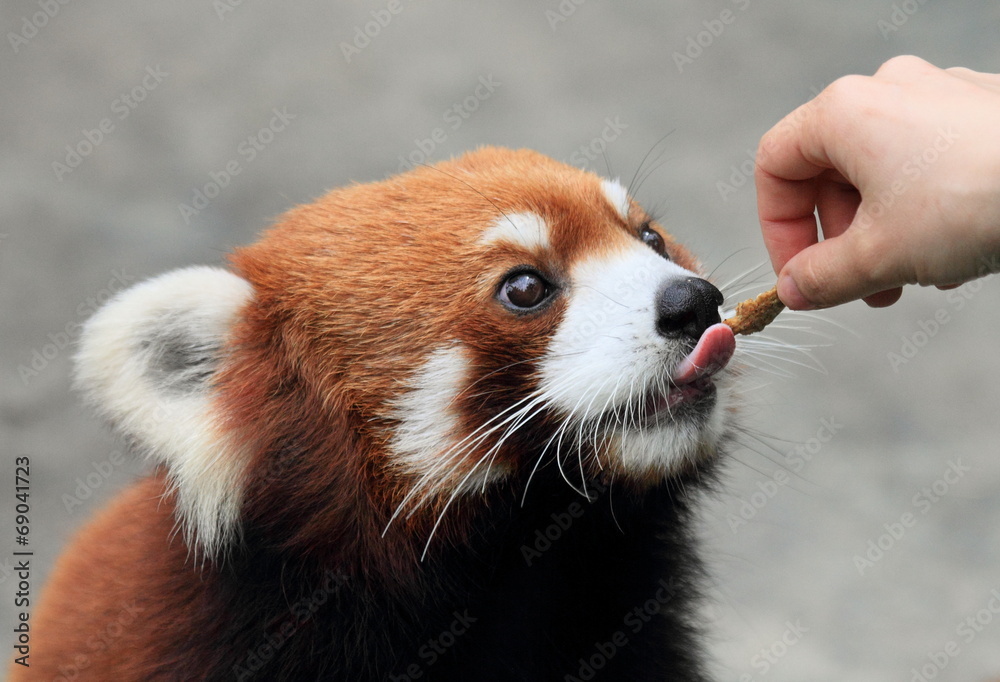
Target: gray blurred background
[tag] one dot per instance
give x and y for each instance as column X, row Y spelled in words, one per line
column 186, row 88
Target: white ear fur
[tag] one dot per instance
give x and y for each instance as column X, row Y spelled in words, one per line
column 146, row 360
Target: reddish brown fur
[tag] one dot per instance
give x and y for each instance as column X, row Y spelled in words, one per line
column 115, row 591
column 313, row 318
column 305, row 388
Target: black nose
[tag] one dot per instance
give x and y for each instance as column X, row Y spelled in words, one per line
column 687, row 307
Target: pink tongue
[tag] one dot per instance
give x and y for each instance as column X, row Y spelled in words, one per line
column 714, row 349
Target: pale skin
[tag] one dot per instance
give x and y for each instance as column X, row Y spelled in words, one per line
column 903, row 169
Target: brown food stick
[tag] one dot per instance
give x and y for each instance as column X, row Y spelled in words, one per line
column 753, row 315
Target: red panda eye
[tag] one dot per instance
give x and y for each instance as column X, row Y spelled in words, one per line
column 653, row 240
column 524, row 290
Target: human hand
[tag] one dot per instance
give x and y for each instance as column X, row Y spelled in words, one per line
column 903, row 169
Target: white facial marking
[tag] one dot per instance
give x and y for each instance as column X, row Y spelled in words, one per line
column 145, row 360
column 607, row 356
column 526, row 230
column 617, row 195
column 427, row 440
column 608, row 327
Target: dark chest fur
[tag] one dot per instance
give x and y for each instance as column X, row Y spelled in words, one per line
column 560, row 589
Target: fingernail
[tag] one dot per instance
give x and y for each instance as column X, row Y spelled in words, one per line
column 791, row 296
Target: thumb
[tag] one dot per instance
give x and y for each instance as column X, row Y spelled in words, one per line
column 837, row 270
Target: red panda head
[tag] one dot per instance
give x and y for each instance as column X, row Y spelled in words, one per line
column 396, row 346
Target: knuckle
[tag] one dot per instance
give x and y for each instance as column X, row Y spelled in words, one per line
column 906, row 64
column 844, row 89
column 960, row 71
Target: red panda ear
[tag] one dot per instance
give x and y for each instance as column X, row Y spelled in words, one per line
column 146, row 361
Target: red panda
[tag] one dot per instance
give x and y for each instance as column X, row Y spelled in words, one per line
column 446, row 426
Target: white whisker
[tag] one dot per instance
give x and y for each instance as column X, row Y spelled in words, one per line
column 740, row 279
column 761, row 354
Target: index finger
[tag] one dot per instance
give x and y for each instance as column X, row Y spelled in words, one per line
column 790, row 157
column 787, row 218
